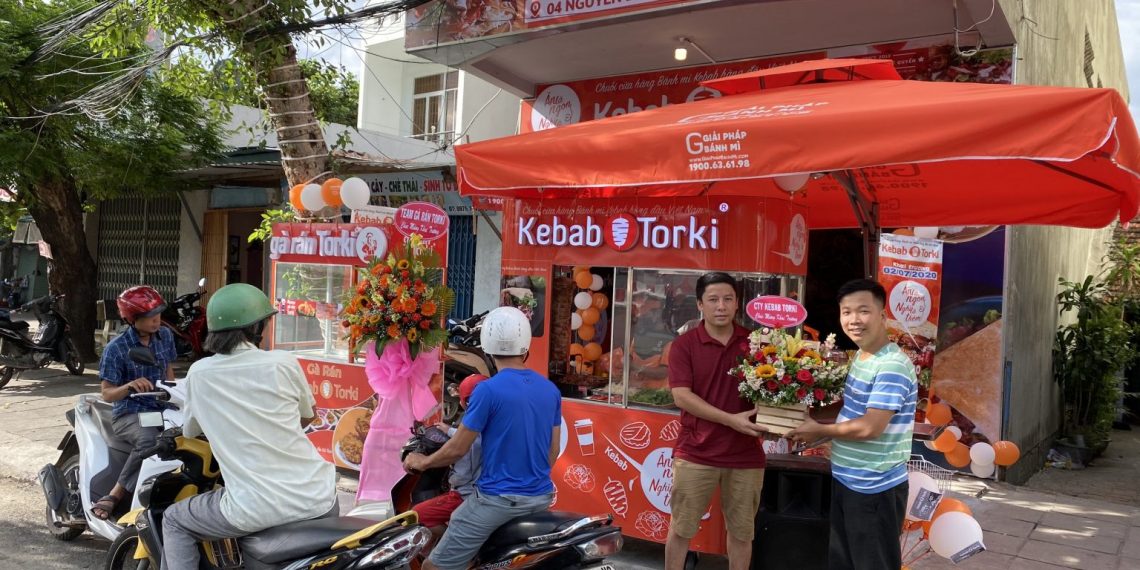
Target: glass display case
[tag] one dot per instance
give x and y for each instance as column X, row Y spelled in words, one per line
column 634, row 326
column 309, row 297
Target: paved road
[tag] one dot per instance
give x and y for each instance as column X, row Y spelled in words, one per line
column 25, row 539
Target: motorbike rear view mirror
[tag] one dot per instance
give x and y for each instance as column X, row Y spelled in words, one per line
column 201, row 282
column 142, row 355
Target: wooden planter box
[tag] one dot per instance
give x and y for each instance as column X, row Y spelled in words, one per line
column 780, row 420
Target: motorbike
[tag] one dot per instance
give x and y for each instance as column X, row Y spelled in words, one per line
column 547, row 540
column 463, row 358
column 186, row 319
column 21, row 351
column 91, row 458
column 344, row 543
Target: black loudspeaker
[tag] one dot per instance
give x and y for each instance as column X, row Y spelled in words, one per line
column 793, row 526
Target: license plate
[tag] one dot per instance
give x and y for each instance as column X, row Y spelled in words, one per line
column 150, row 419
column 600, row 567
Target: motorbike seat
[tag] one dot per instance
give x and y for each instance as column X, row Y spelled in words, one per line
column 295, row 540
column 18, row 326
column 516, row 531
column 101, row 413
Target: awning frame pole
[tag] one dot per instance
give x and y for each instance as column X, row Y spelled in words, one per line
column 866, row 207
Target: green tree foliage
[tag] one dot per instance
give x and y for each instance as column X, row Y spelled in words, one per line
column 56, row 159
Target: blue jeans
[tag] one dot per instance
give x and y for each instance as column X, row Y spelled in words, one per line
column 474, row 521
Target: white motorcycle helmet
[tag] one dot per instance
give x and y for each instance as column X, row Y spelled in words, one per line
column 506, row 332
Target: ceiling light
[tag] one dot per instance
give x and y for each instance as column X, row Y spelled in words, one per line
column 681, row 52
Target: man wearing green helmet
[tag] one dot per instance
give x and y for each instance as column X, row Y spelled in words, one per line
column 253, row 404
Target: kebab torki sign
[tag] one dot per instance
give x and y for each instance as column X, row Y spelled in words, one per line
column 677, row 232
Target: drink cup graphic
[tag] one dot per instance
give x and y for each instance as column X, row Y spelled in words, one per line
column 585, row 431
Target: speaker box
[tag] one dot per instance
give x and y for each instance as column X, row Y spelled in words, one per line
column 793, row 525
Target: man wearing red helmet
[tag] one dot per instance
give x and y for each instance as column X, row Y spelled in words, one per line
column 435, row 512
column 141, row 307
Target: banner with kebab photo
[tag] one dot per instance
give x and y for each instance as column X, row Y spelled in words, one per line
column 910, row 269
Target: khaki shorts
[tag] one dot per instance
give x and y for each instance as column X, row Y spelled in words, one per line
column 693, row 488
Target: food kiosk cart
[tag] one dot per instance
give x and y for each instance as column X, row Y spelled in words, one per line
column 315, row 266
column 609, row 285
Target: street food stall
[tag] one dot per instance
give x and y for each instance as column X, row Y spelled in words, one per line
column 315, row 267
column 599, row 214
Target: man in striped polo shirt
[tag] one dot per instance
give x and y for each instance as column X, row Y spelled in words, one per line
column 872, row 438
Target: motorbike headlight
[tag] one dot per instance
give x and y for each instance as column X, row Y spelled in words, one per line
column 397, row 550
column 601, row 547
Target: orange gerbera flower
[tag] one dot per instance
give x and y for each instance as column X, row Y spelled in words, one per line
column 429, row 308
column 383, row 281
column 420, row 287
column 394, row 331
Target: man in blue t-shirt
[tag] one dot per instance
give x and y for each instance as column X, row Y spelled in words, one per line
column 518, row 413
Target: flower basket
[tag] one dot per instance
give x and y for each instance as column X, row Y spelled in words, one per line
column 786, row 376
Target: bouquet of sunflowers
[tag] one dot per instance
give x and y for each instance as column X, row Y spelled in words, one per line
column 784, row 370
column 400, row 298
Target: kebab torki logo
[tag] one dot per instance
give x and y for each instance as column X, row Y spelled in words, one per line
column 621, row 232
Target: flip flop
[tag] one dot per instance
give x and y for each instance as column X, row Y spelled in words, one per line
column 106, row 504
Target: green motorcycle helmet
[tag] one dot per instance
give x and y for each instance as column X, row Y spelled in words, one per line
column 236, row 306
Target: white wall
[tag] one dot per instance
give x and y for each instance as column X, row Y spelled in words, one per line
column 485, row 111
column 189, row 244
column 488, row 262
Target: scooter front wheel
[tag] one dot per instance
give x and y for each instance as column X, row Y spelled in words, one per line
column 121, row 555
column 72, row 361
column 70, row 470
column 6, row 374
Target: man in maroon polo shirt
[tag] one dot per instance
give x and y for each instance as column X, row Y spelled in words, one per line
column 719, row 445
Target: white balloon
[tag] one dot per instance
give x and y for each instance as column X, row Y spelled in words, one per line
column 583, row 300
column 792, row 182
column 953, row 532
column 983, row 470
column 918, row 480
column 311, row 197
column 982, row 453
column 575, row 321
column 954, row 430
column 355, row 193
column 926, row 232
column 929, row 445
column 596, row 282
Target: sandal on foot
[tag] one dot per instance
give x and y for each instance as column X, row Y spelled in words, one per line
column 103, row 508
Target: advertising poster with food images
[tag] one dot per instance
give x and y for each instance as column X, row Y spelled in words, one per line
column 345, row 403
column 968, row 367
column 910, row 269
column 620, row 461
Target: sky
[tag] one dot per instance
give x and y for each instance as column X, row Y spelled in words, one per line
column 1128, row 14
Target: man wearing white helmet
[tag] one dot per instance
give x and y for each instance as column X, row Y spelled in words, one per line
column 518, row 413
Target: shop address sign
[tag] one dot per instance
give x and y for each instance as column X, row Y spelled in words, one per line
column 622, row 233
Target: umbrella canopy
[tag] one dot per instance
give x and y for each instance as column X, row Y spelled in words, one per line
column 814, row 71
column 904, row 153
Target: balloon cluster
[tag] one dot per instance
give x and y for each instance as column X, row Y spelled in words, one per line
column 982, row 458
column 590, row 305
column 951, row 528
column 333, row 192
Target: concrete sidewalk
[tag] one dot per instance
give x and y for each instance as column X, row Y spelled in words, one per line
column 1025, row 528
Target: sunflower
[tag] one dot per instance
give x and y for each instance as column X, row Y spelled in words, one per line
column 813, row 355
column 402, row 264
column 769, row 350
column 413, row 334
column 765, row 371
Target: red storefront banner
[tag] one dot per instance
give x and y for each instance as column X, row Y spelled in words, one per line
column 572, row 102
column 723, row 233
column 910, row 269
column 620, row 461
column 452, row 21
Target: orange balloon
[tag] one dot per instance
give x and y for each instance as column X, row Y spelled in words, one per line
column 1006, row 453
column 904, row 232
column 587, row 332
column 295, row 197
column 590, row 316
column 601, row 302
column 580, row 268
column 583, row 279
column 939, row 414
column 575, row 349
column 945, row 441
column 946, row 505
column 959, row 456
column 592, row 351
column 330, row 192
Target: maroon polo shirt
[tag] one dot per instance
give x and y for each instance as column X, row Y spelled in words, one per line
column 701, row 363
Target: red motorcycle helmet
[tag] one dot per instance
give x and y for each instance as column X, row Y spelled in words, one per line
column 467, row 386
column 140, row 301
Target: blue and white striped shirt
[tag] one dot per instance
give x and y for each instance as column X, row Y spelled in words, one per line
column 885, row 381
